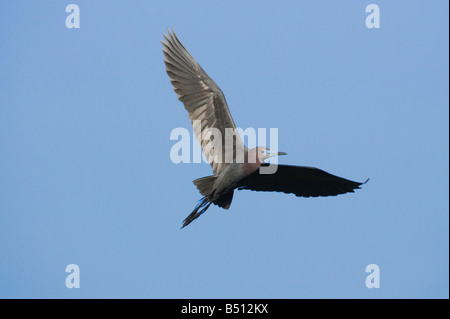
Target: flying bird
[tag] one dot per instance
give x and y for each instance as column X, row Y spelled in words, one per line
column 234, row 165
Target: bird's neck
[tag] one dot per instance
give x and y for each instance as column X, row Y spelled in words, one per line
column 251, row 163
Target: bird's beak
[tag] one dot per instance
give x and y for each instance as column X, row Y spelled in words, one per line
column 277, row 154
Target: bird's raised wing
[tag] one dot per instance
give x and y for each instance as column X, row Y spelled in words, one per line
column 205, row 103
column 299, row 180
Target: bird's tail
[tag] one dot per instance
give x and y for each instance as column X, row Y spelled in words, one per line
column 201, row 207
column 205, row 185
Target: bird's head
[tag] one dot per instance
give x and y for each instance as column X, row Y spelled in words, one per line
column 264, row 153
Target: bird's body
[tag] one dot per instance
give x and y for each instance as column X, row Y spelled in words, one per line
column 219, row 189
column 234, row 165
column 230, row 177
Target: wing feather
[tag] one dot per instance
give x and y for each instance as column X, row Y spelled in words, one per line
column 204, row 101
column 299, row 180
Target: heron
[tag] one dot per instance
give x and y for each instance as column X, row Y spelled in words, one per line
column 208, row 110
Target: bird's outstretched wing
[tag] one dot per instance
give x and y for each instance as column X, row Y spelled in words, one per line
column 205, row 103
column 299, row 180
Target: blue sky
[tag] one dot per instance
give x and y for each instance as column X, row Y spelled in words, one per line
column 86, row 177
